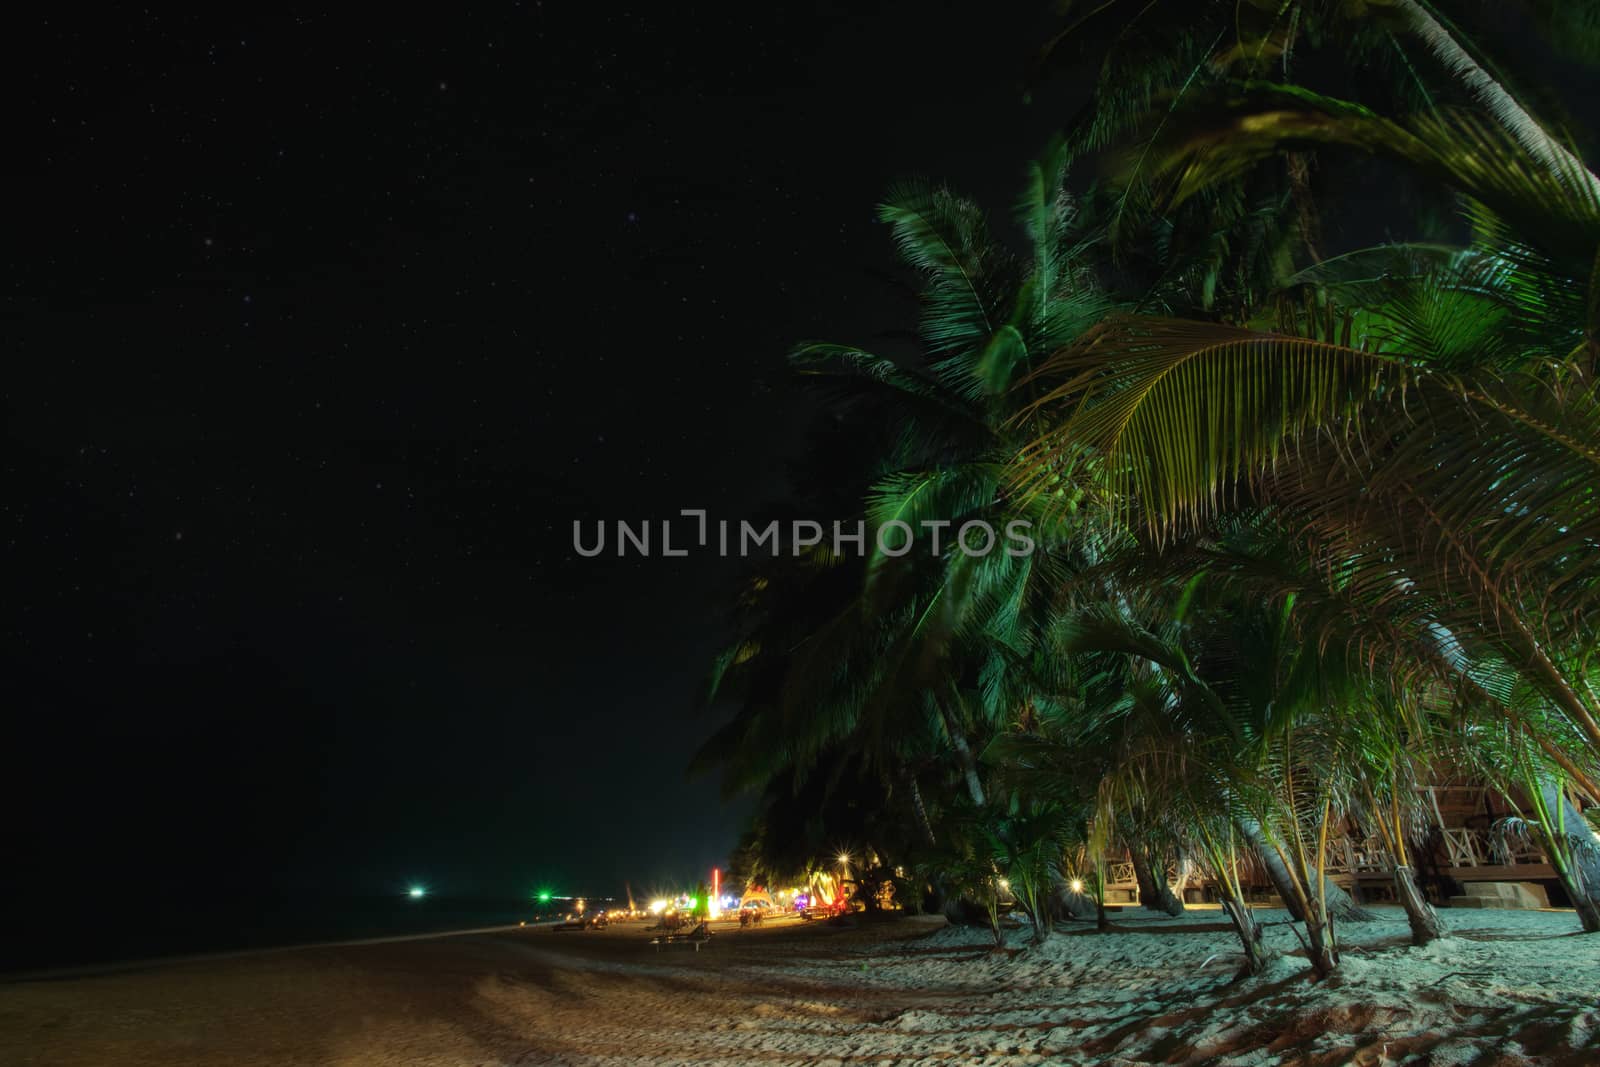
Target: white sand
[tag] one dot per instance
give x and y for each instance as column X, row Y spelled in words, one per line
column 1507, row 988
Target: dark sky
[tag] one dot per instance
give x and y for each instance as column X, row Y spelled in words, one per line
column 321, row 333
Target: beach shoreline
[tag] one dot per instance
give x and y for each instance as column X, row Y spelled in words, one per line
column 1508, row 988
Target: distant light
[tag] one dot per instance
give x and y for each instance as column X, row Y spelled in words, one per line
column 1077, row 886
column 544, row 897
column 417, row 892
column 844, row 858
column 657, row 907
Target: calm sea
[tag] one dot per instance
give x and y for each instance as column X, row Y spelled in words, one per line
column 107, row 928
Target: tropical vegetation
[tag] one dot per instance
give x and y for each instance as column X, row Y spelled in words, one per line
column 1315, row 518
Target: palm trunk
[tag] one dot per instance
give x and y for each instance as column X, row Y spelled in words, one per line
column 1424, row 921
column 969, row 765
column 1224, row 863
column 1343, row 906
column 1034, row 899
column 1494, row 98
column 1419, row 913
column 1320, row 949
column 1154, row 893
column 1256, row 954
column 920, row 809
column 1340, row 904
column 1310, row 891
column 1298, row 167
column 1283, row 882
column 1307, row 895
column 1324, row 947
column 992, row 904
column 1577, row 862
column 1585, row 862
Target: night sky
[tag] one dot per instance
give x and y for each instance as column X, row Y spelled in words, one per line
column 320, row 334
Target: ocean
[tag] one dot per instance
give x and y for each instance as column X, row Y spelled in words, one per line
column 110, row 927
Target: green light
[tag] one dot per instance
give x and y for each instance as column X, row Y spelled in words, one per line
column 417, row 892
column 544, row 897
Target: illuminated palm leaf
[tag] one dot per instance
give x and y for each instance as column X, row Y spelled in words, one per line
column 1553, row 203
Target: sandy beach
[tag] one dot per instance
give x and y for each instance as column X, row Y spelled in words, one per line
column 1508, row 987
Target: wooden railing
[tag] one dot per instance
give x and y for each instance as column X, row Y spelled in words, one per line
column 1464, row 846
column 1461, row 847
column 1472, row 847
column 1348, row 856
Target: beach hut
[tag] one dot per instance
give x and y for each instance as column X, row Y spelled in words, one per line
column 756, row 897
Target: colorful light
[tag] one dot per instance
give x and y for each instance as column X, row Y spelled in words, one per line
column 417, row 892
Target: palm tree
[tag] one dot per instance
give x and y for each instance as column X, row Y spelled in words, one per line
column 1443, row 459
column 905, row 658
column 929, row 645
column 1515, row 766
column 1132, row 737
column 1305, row 524
column 1152, row 59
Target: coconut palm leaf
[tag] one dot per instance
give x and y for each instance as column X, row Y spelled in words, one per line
column 1554, row 203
